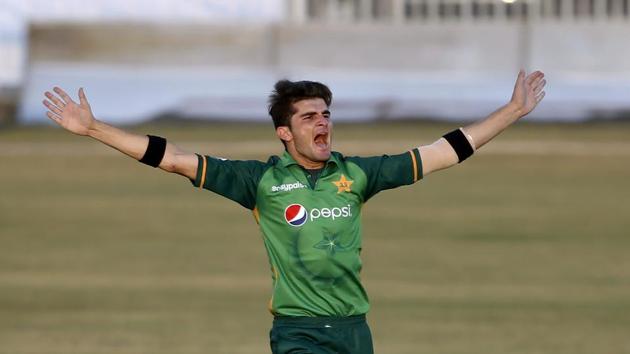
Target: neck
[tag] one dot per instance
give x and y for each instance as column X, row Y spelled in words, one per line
column 308, row 164
column 305, row 161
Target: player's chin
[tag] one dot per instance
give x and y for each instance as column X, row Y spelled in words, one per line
column 321, row 154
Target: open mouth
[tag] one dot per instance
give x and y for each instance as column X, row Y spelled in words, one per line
column 321, row 140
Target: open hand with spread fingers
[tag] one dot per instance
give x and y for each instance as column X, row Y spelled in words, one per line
column 528, row 91
column 74, row 117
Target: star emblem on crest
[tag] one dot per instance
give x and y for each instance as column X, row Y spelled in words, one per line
column 331, row 244
column 343, row 184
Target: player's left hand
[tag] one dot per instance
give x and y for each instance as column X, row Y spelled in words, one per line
column 528, row 91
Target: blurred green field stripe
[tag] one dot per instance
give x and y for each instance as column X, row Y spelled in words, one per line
column 262, row 148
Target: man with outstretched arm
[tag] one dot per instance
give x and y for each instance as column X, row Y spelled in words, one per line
column 307, row 202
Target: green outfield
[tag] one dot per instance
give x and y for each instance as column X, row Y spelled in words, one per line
column 525, row 248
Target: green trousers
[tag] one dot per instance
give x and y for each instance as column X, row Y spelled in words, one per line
column 320, row 335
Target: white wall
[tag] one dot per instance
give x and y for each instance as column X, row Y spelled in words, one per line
column 455, row 71
column 17, row 15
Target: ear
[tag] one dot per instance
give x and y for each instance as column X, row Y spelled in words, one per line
column 284, row 133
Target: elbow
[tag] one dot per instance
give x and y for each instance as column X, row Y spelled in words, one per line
column 437, row 156
column 169, row 164
column 437, row 166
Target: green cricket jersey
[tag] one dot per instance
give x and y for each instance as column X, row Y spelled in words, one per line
column 311, row 229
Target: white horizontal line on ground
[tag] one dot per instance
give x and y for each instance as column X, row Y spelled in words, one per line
column 213, row 282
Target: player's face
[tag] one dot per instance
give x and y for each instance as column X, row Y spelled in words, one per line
column 309, row 138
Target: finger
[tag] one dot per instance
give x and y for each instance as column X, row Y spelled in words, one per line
column 534, row 76
column 519, row 78
column 82, row 98
column 52, row 107
column 540, row 97
column 64, row 96
column 536, row 81
column 539, row 86
column 54, row 99
column 54, row 117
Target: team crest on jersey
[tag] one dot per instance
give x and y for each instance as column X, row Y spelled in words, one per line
column 295, row 215
column 343, row 184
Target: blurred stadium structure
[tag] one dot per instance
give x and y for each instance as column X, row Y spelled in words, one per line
column 460, row 10
column 384, row 59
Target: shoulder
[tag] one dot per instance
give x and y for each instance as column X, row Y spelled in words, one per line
column 348, row 164
column 337, row 155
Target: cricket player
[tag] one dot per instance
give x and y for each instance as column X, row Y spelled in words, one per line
column 307, row 201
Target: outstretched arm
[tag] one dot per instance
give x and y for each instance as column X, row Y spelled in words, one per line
column 78, row 119
column 528, row 92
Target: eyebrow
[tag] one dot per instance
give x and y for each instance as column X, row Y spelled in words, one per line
column 314, row 112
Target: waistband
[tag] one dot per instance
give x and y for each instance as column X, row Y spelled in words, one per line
column 317, row 322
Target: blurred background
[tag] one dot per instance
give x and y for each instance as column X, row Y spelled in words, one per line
column 522, row 249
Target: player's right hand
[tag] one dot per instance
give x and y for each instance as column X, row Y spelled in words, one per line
column 528, row 91
column 77, row 118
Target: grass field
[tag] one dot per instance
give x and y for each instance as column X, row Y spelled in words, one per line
column 523, row 249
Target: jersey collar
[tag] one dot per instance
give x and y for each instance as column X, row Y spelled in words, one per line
column 288, row 160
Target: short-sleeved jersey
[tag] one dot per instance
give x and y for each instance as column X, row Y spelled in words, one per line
column 311, row 229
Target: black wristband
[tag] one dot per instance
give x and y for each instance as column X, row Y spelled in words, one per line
column 460, row 144
column 155, row 151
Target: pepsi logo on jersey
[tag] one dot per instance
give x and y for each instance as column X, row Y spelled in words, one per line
column 297, row 215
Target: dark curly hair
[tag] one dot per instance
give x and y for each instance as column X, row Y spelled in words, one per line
column 286, row 93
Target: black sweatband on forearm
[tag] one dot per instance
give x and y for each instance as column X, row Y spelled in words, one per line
column 460, row 144
column 155, row 151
